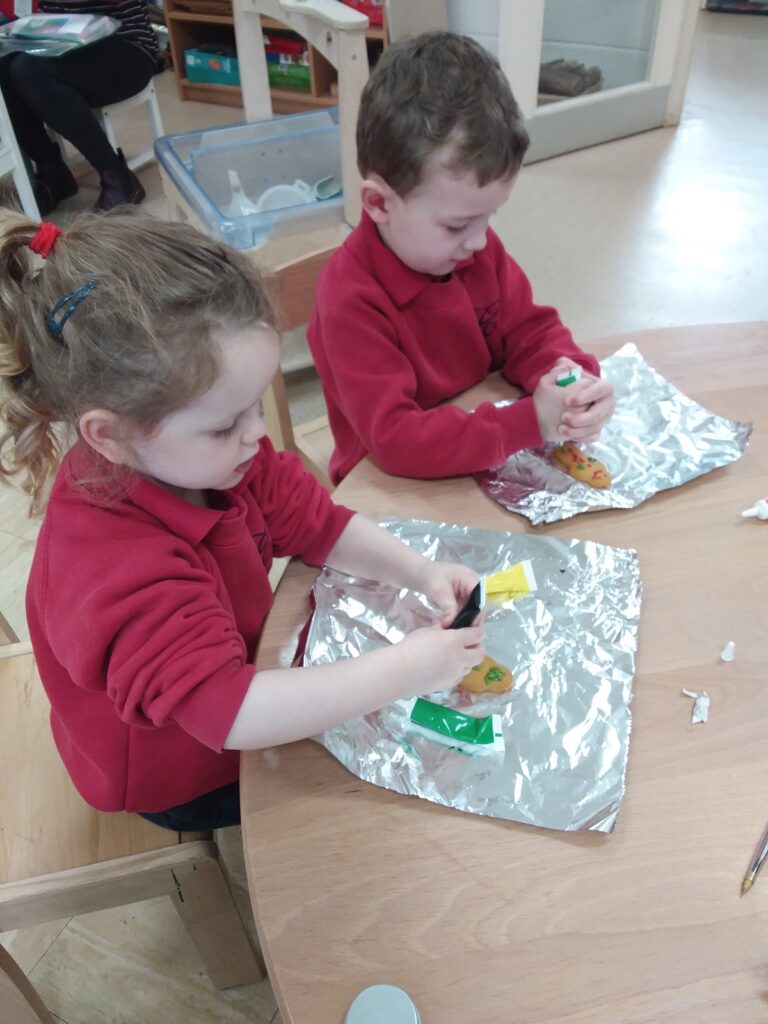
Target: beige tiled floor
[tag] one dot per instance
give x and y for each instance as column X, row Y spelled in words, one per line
column 663, row 228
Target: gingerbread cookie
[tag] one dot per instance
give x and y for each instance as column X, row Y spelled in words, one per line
column 487, row 677
column 581, row 466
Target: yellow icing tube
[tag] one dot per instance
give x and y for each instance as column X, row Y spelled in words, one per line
column 517, row 581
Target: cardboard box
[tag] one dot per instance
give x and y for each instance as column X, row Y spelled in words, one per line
column 287, row 61
column 213, row 64
column 373, row 9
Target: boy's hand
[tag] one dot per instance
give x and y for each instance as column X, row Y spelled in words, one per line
column 589, row 405
column 433, row 658
column 549, row 402
column 448, row 586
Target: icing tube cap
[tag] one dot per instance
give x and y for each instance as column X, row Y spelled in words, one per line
column 758, row 511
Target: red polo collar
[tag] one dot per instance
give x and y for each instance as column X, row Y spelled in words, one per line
column 190, row 522
column 400, row 282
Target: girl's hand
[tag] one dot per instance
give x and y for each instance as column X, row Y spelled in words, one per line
column 448, row 586
column 434, row 658
column 589, row 405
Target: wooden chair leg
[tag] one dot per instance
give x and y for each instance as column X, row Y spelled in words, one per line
column 19, row 1002
column 190, row 874
column 205, row 905
column 7, row 635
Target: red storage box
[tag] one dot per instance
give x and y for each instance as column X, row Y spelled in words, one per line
column 374, row 9
column 7, row 8
column 281, row 42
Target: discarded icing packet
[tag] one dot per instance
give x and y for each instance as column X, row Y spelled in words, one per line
column 570, row 645
column 658, row 438
column 700, row 709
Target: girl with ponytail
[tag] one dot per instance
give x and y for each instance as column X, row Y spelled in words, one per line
column 133, row 358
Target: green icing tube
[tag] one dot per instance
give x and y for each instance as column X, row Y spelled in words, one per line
column 454, row 724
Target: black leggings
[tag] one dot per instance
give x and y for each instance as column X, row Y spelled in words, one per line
column 60, row 91
column 217, row 809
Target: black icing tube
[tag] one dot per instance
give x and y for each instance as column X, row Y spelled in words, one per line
column 472, row 607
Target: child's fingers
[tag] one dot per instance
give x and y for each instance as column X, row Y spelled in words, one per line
column 594, row 417
column 464, row 581
column 471, row 636
column 444, row 597
column 585, row 426
column 581, row 435
column 453, row 590
column 587, row 391
column 596, row 414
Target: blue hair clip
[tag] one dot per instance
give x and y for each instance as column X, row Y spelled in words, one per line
column 66, row 307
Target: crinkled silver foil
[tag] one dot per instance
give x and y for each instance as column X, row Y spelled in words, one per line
column 570, row 645
column 658, row 438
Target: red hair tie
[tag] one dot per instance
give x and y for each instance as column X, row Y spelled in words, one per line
column 44, row 239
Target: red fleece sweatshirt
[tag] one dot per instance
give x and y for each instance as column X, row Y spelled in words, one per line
column 391, row 344
column 145, row 612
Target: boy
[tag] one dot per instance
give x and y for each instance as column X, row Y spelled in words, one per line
column 422, row 302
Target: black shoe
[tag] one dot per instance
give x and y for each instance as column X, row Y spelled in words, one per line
column 52, row 182
column 119, row 187
column 568, row 78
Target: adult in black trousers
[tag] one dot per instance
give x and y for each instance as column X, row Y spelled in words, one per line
column 60, row 92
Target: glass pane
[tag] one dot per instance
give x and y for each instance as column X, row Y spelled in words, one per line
column 591, row 45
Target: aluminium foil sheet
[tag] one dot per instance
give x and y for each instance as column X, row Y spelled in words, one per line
column 570, row 645
column 657, row 438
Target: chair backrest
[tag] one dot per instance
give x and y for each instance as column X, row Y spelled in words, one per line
column 295, row 286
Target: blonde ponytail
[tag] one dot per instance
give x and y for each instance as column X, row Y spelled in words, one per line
column 30, row 446
column 137, row 339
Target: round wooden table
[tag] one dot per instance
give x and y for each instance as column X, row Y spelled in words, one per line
column 489, row 921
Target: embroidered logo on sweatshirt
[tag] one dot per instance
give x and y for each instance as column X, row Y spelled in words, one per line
column 486, row 317
column 262, row 540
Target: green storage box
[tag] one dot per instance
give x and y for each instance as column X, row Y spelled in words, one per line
column 288, row 74
column 293, row 72
column 213, row 64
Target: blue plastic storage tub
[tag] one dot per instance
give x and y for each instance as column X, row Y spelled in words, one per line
column 263, row 154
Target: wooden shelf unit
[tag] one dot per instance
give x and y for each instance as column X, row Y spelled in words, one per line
column 194, row 22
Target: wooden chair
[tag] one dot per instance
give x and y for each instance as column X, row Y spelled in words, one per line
column 19, row 1002
column 60, row 858
column 295, row 285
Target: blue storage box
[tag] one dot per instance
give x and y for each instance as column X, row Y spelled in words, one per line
column 263, row 154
